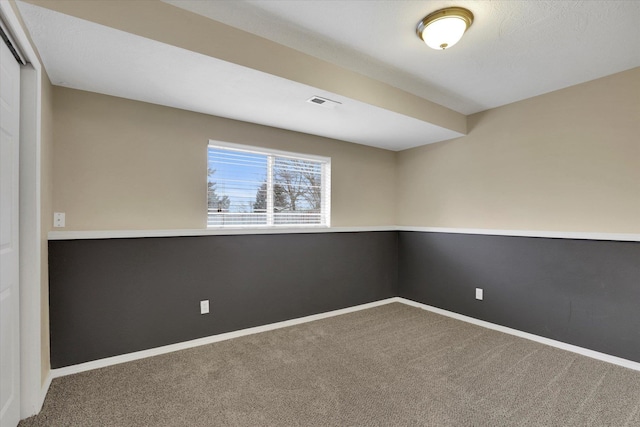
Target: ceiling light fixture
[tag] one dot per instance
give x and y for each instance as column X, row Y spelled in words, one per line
column 443, row 28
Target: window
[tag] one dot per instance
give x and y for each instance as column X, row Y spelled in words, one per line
column 254, row 187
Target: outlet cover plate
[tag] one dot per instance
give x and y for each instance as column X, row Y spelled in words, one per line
column 204, row 306
column 58, row 219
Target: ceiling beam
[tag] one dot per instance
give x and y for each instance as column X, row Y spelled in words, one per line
column 168, row 24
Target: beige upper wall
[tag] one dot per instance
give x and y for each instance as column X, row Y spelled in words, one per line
column 121, row 164
column 567, row 160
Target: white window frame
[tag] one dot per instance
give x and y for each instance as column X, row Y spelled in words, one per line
column 325, row 212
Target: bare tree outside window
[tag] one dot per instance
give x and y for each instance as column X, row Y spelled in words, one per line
column 215, row 202
column 300, row 182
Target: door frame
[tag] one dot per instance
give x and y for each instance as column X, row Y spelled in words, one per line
column 32, row 384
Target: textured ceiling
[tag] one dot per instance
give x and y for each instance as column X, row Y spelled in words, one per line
column 513, row 51
column 150, row 51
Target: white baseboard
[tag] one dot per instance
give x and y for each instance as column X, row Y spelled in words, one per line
column 36, row 403
column 547, row 341
column 109, row 361
column 101, row 363
column 45, row 390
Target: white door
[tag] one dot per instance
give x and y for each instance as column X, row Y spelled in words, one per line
column 9, row 298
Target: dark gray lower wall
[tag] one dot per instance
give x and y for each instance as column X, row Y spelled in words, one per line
column 116, row 296
column 111, row 297
column 581, row 292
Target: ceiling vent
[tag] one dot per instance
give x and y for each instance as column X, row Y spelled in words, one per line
column 323, row 102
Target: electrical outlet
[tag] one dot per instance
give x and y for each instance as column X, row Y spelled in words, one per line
column 204, row 306
column 58, row 219
column 479, row 294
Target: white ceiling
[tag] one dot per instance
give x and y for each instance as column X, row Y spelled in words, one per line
column 83, row 55
column 514, row 50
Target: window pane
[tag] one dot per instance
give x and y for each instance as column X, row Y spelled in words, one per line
column 297, row 186
column 255, row 188
column 236, row 187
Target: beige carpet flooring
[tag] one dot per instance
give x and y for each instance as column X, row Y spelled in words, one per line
column 392, row 365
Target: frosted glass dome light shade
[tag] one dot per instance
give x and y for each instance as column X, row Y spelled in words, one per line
column 445, row 27
column 444, row 32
